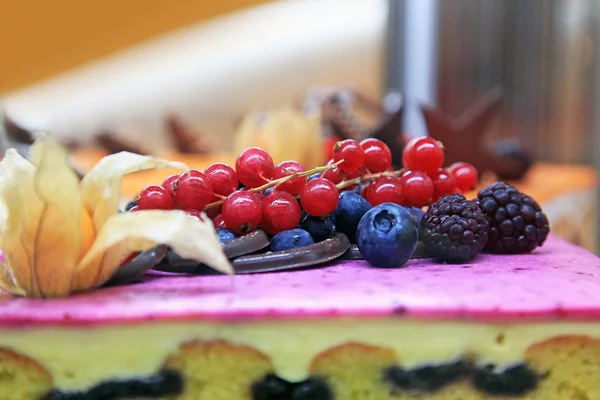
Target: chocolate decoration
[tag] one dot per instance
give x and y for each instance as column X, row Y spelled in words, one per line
column 112, row 144
column 337, row 112
column 389, row 131
column 137, row 267
column 16, row 132
column 463, row 137
column 353, row 253
column 185, row 140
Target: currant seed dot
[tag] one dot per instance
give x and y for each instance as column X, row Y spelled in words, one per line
column 385, row 190
column 465, row 174
column 242, row 212
column 193, row 191
column 286, row 168
column 417, row 188
column 350, row 151
column 154, row 197
column 254, row 167
column 319, row 197
column 378, row 157
column 223, row 178
column 423, row 154
column 280, row 212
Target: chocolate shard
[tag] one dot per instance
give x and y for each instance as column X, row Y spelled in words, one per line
column 137, row 267
column 185, row 139
column 15, row 132
column 111, row 142
column 353, row 253
column 337, row 112
column 389, row 131
column 464, row 140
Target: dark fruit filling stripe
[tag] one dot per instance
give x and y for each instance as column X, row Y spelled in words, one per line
column 164, row 383
column 514, row 381
column 274, row 388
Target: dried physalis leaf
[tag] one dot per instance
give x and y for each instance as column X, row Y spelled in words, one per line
column 101, row 187
column 58, row 238
column 7, row 282
column 23, row 209
column 125, row 233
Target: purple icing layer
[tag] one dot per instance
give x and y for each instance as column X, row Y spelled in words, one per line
column 558, row 280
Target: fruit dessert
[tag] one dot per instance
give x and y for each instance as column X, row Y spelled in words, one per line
column 389, row 284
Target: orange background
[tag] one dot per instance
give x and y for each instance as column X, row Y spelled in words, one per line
column 41, row 38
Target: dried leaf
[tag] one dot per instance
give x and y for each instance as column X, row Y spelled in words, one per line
column 101, row 187
column 23, row 212
column 58, row 239
column 130, row 232
column 7, row 282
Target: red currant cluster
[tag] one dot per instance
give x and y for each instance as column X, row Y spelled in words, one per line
column 260, row 193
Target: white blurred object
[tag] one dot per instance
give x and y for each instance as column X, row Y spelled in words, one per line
column 213, row 73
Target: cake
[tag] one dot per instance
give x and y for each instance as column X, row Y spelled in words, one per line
column 423, row 316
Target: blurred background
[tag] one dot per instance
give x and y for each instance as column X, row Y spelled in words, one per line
column 80, row 68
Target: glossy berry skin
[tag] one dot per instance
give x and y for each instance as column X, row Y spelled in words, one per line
column 280, row 212
column 287, row 168
column 423, row 154
column 465, row 174
column 350, row 209
column 320, row 228
column 195, row 213
column 319, row 197
column 218, row 221
column 192, row 192
column 387, row 236
column 417, row 188
column 225, row 235
column 254, row 167
column 133, row 209
column 242, row 212
column 384, row 190
column 443, row 183
column 350, row 151
column 335, row 175
column 378, row 157
column 222, row 177
column 291, row 239
column 130, row 205
column 169, row 182
column 154, row 197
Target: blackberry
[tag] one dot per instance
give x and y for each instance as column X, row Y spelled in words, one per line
column 517, row 222
column 454, row 229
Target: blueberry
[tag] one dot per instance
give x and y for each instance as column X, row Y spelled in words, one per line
column 350, row 209
column 268, row 191
column 417, row 214
column 320, row 228
column 314, row 176
column 387, row 235
column 130, row 205
column 291, row 239
column 225, row 235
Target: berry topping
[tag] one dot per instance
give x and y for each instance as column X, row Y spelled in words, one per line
column 168, row 184
column 428, row 378
column 423, row 154
column 130, row 205
column 387, row 235
column 454, row 229
column 280, row 212
column 225, row 235
column 443, row 183
column 222, row 177
column 465, row 175
column 319, row 197
column 254, row 167
column 286, row 168
column 378, row 157
column 154, row 197
column 350, row 209
column 291, row 239
column 242, row 212
column 384, row 190
column 514, row 381
column 193, row 191
column 320, row 228
column 417, row 188
column 517, row 222
column 351, row 152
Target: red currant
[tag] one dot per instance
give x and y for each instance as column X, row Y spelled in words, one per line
column 154, row 197
column 352, row 175
column 280, row 212
column 350, row 151
column 254, row 167
column 465, row 174
column 319, row 197
column 286, row 168
column 335, row 175
column 218, row 221
column 193, row 191
column 423, row 154
column 417, row 188
column 213, row 211
column 329, row 144
column 443, row 183
column 384, row 190
column 242, row 212
column 168, row 184
column 378, row 157
column 195, row 213
column 222, row 177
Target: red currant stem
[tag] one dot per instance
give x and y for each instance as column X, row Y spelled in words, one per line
column 220, row 196
column 368, row 178
column 284, row 179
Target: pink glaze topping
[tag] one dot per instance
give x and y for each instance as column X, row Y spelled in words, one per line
column 557, row 281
